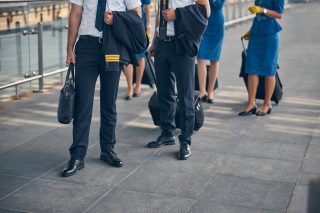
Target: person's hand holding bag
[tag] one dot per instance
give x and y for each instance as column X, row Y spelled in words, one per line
column 246, row 36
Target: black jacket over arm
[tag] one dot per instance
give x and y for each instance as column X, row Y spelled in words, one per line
column 123, row 39
column 190, row 24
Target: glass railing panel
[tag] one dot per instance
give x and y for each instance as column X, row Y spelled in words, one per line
column 16, row 42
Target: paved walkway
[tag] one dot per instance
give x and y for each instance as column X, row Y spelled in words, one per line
column 250, row 165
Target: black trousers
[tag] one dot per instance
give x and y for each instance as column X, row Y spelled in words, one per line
column 170, row 69
column 89, row 65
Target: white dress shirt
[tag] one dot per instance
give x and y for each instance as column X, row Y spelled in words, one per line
column 175, row 4
column 88, row 20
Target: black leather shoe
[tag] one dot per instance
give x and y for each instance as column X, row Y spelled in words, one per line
column 250, row 112
column 260, row 113
column 111, row 158
column 162, row 141
column 72, row 167
column 185, row 151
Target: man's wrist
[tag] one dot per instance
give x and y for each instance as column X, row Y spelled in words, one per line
column 70, row 48
column 148, row 26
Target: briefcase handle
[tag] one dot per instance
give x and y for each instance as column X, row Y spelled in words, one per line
column 70, row 70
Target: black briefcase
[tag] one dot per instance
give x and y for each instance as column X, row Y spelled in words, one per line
column 277, row 94
column 155, row 110
column 148, row 74
column 198, row 114
column 196, row 82
column 67, row 98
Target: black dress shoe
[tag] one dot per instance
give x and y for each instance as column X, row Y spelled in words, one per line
column 72, row 167
column 260, row 113
column 250, row 112
column 111, row 158
column 162, row 141
column 185, row 151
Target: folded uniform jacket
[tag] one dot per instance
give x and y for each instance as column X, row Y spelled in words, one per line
column 123, row 39
column 190, row 24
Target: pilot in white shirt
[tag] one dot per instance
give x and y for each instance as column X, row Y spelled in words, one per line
column 89, row 65
column 173, row 70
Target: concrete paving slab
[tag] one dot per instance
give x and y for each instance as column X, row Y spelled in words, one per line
column 24, row 133
column 11, row 211
column 312, row 154
column 137, row 202
column 245, row 192
column 205, row 142
column 305, row 178
column 311, row 167
column 280, row 133
column 260, row 168
column 270, row 149
column 315, row 140
column 36, row 157
column 299, row 200
column 9, row 184
column 165, row 175
column 309, row 171
column 52, row 196
column 217, row 208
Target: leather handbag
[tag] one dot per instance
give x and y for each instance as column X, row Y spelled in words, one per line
column 67, row 98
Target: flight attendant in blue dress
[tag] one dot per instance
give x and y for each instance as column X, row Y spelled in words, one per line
column 262, row 54
column 128, row 70
column 210, row 49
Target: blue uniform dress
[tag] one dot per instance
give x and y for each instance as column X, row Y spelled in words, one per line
column 262, row 54
column 143, row 2
column 212, row 39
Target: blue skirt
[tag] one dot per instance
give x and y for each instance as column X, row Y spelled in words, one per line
column 262, row 55
column 211, row 43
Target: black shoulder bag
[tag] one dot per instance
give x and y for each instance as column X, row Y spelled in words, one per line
column 67, row 98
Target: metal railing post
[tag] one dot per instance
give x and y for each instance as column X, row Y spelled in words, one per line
column 17, row 92
column 0, row 47
column 60, row 42
column 18, row 48
column 40, row 55
column 8, row 23
column 240, row 8
column 234, row 10
column 227, row 6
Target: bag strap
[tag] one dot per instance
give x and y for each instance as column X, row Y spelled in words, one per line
column 71, row 70
column 244, row 48
column 148, row 60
